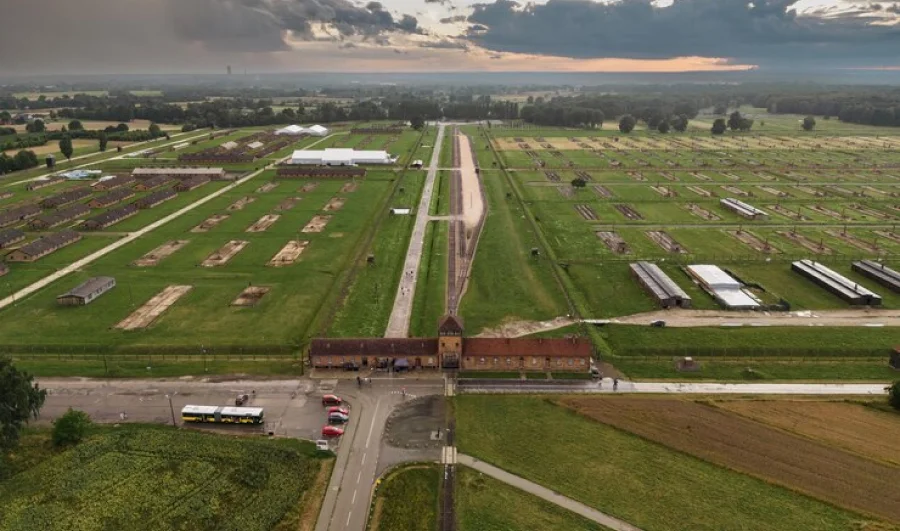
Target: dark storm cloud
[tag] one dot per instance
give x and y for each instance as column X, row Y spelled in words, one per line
column 452, row 20
column 445, row 44
column 762, row 31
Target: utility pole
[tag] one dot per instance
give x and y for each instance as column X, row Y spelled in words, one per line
column 172, row 408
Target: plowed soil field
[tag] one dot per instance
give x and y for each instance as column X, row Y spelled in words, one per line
column 853, row 427
column 726, row 439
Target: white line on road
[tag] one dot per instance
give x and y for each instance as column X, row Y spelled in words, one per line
column 353, row 501
column 363, row 459
column 372, row 425
column 358, row 477
column 348, row 519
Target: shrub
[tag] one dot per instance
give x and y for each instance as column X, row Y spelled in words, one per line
column 70, row 428
column 894, row 395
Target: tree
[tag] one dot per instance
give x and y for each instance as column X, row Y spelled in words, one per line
column 123, row 128
column 680, row 123
column 65, row 146
column 104, row 139
column 20, row 400
column 75, row 125
column 5, row 117
column 578, row 182
column 719, row 126
column 809, row 123
column 36, row 126
column 663, row 127
column 720, row 109
column 154, row 130
column 734, row 121
column 627, row 123
column 70, row 428
column 417, row 122
column 894, row 395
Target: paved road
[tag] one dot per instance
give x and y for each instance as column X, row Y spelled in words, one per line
column 347, row 501
column 547, row 494
column 398, row 324
column 78, row 264
column 701, row 388
column 126, row 151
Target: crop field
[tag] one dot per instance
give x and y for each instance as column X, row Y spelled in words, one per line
column 772, row 455
column 853, row 428
column 149, row 477
column 486, row 504
column 633, row 478
column 407, row 500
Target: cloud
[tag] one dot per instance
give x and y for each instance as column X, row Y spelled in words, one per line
column 445, row 44
column 761, row 31
column 454, row 20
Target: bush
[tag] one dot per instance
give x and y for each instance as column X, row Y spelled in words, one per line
column 894, row 395
column 70, row 428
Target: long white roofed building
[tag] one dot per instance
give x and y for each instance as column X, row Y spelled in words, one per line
column 341, row 157
column 313, row 130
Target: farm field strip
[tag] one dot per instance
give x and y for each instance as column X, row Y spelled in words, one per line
column 717, row 436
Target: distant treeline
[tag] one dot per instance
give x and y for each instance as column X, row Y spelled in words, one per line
column 22, row 141
column 881, row 108
column 22, row 160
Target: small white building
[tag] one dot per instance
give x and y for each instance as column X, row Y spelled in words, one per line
column 340, row 157
column 313, row 130
column 723, row 287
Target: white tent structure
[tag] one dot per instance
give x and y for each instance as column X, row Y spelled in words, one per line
column 341, row 157
column 313, row 130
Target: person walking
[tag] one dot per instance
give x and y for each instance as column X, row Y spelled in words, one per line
column 615, row 384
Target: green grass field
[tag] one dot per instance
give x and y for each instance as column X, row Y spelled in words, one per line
column 407, row 499
column 485, row 504
column 133, row 477
column 431, row 287
column 635, row 480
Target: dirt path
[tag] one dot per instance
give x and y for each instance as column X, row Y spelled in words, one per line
column 472, row 201
column 524, row 328
column 686, row 318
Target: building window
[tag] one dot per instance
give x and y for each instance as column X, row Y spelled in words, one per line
column 535, row 361
column 509, row 361
column 496, row 360
column 581, row 362
column 571, row 362
column 481, row 360
column 431, row 360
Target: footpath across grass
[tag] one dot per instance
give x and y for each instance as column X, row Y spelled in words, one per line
column 644, row 483
column 148, row 477
column 408, row 499
column 486, row 504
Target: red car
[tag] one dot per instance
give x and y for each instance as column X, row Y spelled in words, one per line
column 338, row 409
column 332, row 431
column 331, row 400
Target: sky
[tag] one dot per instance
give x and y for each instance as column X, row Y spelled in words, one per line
column 204, row 36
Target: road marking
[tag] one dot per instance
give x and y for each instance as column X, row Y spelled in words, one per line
column 364, row 459
column 348, row 518
column 372, row 425
column 358, row 477
column 354, row 498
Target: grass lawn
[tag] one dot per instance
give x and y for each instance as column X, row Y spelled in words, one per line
column 148, row 477
column 431, row 287
column 732, row 369
column 811, row 342
column 160, row 366
column 408, row 499
column 440, row 197
column 524, row 286
column 486, row 504
column 643, row 483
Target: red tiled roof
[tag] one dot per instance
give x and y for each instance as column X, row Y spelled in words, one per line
column 387, row 347
column 553, row 348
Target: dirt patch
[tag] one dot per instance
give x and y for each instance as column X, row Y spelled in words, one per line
column 263, row 223
column 289, row 253
column 316, row 224
column 702, row 192
column 349, row 187
column 308, row 187
column 851, row 427
column 773, row 191
column 156, row 255
column 566, row 191
column 603, row 191
column 784, row 211
column 613, row 241
column 666, row 242
column 814, row 246
column 701, row 212
column 811, row 191
column 287, row 203
column 753, row 241
column 736, row 191
column 250, row 296
column 152, row 309
column 893, row 236
column 731, row 176
column 668, row 176
column 224, row 254
column 665, row 191
column 629, row 212
column 765, row 176
column 266, row 188
column 586, row 212
column 701, row 176
column 871, row 247
column 241, row 203
column 637, row 176
column 517, row 328
column 210, row 222
column 417, row 423
column 869, row 212
column 826, row 211
column 753, row 448
column 335, row 203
